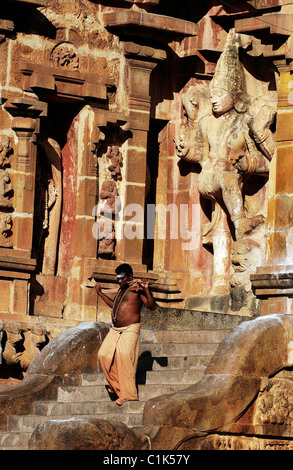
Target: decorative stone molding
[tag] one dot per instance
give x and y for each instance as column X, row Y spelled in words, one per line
column 64, row 83
column 166, row 25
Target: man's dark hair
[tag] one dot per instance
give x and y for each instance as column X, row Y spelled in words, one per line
column 124, row 268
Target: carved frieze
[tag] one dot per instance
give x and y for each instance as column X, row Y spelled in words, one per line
column 110, row 204
column 274, row 407
column 65, row 56
column 116, row 162
column 6, row 192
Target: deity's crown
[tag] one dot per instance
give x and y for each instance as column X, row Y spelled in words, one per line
column 228, row 73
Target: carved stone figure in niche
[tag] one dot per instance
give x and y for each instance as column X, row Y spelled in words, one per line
column 65, row 56
column 34, row 341
column 12, row 349
column 230, row 144
column 110, row 205
column 5, row 193
column 5, row 190
column 246, row 254
column 274, row 405
column 115, row 156
column 1, row 338
column 5, row 150
column 48, row 205
column 195, row 104
column 5, row 184
column 5, row 230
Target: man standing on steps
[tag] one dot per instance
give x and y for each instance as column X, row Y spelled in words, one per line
column 118, row 354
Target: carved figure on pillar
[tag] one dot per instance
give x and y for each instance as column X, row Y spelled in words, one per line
column 231, row 144
column 5, row 193
column 5, row 184
column 35, row 340
column 115, row 157
column 13, row 346
column 110, row 205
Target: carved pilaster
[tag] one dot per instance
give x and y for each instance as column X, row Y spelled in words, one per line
column 136, row 162
column 273, row 281
column 25, row 124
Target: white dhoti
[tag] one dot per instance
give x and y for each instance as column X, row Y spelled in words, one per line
column 118, row 356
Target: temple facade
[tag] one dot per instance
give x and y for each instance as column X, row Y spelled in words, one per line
column 152, row 132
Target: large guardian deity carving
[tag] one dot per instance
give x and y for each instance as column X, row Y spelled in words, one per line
column 231, row 143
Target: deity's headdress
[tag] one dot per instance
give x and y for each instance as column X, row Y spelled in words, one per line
column 228, row 74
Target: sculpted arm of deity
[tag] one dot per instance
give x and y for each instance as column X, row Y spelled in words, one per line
column 187, row 147
column 260, row 128
column 188, row 140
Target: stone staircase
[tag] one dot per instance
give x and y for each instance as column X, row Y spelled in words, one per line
column 170, row 360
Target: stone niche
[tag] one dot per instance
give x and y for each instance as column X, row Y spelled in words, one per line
column 226, row 143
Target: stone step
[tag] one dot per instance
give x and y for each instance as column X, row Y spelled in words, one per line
column 98, row 392
column 178, row 349
column 51, row 408
column 165, row 376
column 179, row 362
column 28, row 423
column 172, row 376
column 14, row 440
column 182, row 336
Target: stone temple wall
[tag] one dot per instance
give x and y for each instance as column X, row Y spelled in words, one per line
column 114, row 149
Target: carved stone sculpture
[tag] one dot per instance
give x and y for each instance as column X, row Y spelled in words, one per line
column 65, row 56
column 5, row 189
column 231, row 144
column 34, row 340
column 5, row 150
column 5, row 184
column 5, row 193
column 115, row 157
column 110, row 205
column 1, row 337
column 14, row 337
column 5, row 229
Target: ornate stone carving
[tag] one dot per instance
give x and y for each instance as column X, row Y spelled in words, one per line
column 275, row 404
column 231, row 144
column 110, row 205
column 5, row 184
column 5, row 150
column 11, row 353
column 64, row 55
column 5, row 190
column 34, row 340
column 5, row 193
column 5, row 230
column 115, row 157
column 1, row 337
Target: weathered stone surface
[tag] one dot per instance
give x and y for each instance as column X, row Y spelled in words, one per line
column 86, row 434
column 253, row 350
column 69, row 354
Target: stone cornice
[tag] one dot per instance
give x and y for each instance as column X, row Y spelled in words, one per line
column 148, row 22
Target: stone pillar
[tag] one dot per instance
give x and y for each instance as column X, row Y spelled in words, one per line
column 24, row 128
column 16, row 263
column 136, row 170
column 273, row 283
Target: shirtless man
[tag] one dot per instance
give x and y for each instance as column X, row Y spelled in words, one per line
column 118, row 354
